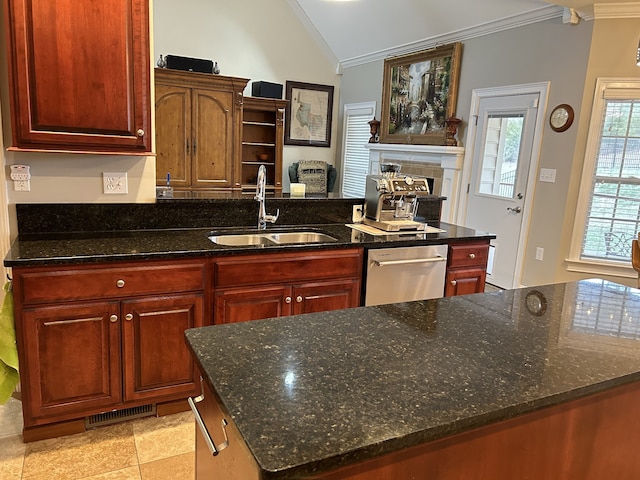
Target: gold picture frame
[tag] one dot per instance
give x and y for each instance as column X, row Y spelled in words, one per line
column 419, row 92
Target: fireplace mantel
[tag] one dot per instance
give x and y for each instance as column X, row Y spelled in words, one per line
column 450, row 159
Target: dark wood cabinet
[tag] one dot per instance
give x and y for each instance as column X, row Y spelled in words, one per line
column 254, row 287
column 466, row 268
column 262, row 141
column 79, row 76
column 198, row 125
column 108, row 337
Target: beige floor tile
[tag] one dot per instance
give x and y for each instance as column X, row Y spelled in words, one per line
column 72, row 457
column 131, row 473
column 180, row 467
column 11, row 418
column 162, row 437
column 11, row 457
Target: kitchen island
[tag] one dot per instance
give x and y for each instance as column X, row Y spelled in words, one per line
column 531, row 383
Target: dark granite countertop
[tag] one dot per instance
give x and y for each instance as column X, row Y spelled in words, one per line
column 76, row 234
column 313, row 392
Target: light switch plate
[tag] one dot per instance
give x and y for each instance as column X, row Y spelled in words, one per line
column 548, row 175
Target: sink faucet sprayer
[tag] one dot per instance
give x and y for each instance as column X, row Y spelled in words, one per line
column 263, row 217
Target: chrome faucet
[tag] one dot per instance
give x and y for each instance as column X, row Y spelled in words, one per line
column 263, row 217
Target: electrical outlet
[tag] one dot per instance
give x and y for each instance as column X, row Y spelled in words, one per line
column 539, row 253
column 21, row 176
column 114, row 183
column 358, row 214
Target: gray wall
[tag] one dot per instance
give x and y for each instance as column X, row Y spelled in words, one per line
column 548, row 51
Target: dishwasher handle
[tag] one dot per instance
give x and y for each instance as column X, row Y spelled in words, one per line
column 410, row 261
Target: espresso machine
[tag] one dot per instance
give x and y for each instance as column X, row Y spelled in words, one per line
column 391, row 199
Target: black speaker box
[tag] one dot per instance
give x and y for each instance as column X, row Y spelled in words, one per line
column 266, row 90
column 188, row 64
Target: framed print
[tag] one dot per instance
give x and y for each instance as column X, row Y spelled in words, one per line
column 419, row 92
column 308, row 116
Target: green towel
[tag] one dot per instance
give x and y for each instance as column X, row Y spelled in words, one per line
column 9, row 377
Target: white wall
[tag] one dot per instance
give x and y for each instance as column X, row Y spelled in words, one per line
column 258, row 40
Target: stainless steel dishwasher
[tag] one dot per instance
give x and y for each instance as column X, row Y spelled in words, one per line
column 404, row 274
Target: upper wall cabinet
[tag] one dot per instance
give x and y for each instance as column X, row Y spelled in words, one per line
column 79, row 75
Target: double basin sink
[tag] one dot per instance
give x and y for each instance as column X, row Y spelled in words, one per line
column 271, row 238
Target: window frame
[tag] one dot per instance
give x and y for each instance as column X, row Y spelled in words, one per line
column 360, row 109
column 616, row 268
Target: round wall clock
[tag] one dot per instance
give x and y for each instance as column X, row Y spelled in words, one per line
column 561, row 117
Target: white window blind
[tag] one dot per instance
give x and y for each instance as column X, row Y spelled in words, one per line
column 355, row 160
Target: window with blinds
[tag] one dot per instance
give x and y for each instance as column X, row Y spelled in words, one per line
column 355, row 158
column 613, row 214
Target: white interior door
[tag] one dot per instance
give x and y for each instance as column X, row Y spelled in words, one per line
column 502, row 152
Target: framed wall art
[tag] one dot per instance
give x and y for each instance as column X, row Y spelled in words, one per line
column 308, row 116
column 419, row 92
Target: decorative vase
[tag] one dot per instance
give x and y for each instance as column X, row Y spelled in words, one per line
column 451, row 128
column 162, row 63
column 216, row 68
column 374, row 126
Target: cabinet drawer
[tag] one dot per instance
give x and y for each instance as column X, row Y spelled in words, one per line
column 468, row 255
column 283, row 268
column 55, row 285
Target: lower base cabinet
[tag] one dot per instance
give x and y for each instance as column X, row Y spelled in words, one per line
column 466, row 268
column 256, row 287
column 81, row 356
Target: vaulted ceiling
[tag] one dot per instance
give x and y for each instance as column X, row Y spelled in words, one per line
column 356, row 31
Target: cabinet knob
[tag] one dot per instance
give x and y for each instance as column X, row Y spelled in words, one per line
column 140, row 132
column 287, row 300
column 120, row 283
column 299, row 299
column 113, row 318
column 454, row 283
column 128, row 317
column 472, row 256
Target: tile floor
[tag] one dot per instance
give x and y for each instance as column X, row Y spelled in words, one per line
column 143, row 449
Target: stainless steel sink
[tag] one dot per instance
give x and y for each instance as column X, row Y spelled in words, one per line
column 275, row 238
column 241, row 240
column 301, row 237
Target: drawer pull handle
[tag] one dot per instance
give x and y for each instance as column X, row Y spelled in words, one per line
column 454, row 283
column 299, row 299
column 472, row 256
column 287, row 300
column 128, row 317
column 113, row 318
column 203, row 428
column 120, row 283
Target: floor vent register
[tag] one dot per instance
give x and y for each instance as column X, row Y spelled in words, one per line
column 116, row 416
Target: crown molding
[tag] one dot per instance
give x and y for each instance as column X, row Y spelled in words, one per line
column 535, row 16
column 616, row 10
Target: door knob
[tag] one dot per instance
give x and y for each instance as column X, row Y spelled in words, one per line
column 299, row 299
column 514, row 210
column 113, row 318
column 287, row 300
column 128, row 317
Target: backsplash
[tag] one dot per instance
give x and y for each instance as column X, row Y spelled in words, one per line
column 42, row 219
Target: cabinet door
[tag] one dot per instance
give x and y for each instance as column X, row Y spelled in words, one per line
column 72, row 356
column 252, row 303
column 322, row 297
column 79, row 75
column 213, row 137
column 173, row 135
column 465, row 281
column 157, row 362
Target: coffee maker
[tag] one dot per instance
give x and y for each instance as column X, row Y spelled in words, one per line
column 391, row 200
